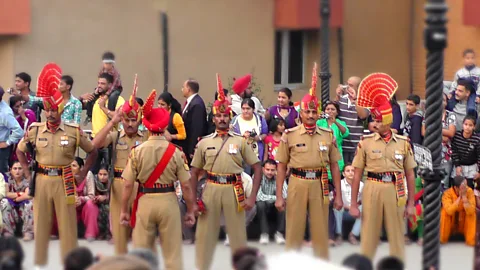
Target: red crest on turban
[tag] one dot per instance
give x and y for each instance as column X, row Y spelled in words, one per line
column 132, row 109
column 47, row 87
column 155, row 119
column 221, row 104
column 310, row 100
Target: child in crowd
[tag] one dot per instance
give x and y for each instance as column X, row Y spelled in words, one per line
column 469, row 71
column 272, row 141
column 466, row 152
column 415, row 223
column 413, row 121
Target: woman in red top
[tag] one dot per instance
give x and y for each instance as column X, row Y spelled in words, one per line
column 272, row 141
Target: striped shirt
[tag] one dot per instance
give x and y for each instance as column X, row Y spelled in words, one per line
column 465, row 151
column 348, row 114
column 268, row 189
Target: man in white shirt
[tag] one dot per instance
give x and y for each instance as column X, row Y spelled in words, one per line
column 341, row 215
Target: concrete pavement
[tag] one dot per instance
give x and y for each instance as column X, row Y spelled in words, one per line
column 454, row 255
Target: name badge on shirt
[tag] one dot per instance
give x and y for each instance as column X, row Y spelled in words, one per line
column 232, row 148
column 64, row 140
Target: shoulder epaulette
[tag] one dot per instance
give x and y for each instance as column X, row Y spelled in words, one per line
column 368, row 136
column 36, row 124
column 235, row 134
column 325, row 129
column 178, row 147
column 402, row 137
column 209, row 135
column 72, row 125
column 291, row 129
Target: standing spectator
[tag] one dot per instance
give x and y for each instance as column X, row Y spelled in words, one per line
column 252, row 126
column 108, row 66
column 176, row 127
column 210, row 123
column 469, row 71
column 22, row 85
column 102, row 200
column 25, row 117
column 340, row 130
column 272, row 141
column 458, row 212
column 242, row 89
column 466, row 152
column 10, row 133
column 448, row 131
column 459, row 104
column 101, row 115
column 351, row 115
column 17, row 206
column 414, row 120
column 266, row 198
column 343, row 214
column 194, row 117
column 283, row 110
column 72, row 112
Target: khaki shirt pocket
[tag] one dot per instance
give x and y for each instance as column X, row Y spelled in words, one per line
column 375, row 161
column 210, row 155
column 299, row 148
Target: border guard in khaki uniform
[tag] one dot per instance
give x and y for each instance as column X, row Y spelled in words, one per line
column 222, row 154
column 123, row 141
column 156, row 165
column 308, row 150
column 55, row 144
column 388, row 160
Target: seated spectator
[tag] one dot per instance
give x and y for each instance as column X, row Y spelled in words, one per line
column 390, row 263
column 466, row 152
column 11, row 253
column 17, row 206
column 25, row 117
column 146, row 255
column 272, row 141
column 87, row 210
column 357, row 262
column 448, row 131
column 101, row 199
column 340, row 130
column 415, row 223
column 123, row 262
column 266, row 198
column 108, row 66
column 414, row 120
column 252, row 126
column 463, row 103
column 458, row 212
column 78, row 259
column 284, row 109
column 176, row 127
column 343, row 214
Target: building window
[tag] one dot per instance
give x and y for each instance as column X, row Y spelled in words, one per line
column 289, row 58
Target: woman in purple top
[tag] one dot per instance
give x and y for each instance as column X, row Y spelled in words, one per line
column 25, row 118
column 284, row 110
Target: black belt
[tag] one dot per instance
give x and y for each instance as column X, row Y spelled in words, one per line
column 117, row 174
column 381, row 176
column 308, row 174
column 50, row 171
column 223, row 179
column 156, row 189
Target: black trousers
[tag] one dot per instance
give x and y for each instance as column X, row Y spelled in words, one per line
column 102, row 158
column 4, row 159
column 263, row 211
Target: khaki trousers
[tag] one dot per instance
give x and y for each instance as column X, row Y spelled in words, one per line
column 160, row 211
column 380, row 204
column 50, row 193
column 303, row 195
column 218, row 198
column 120, row 233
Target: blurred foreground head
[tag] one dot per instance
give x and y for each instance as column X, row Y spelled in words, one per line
column 124, row 262
column 295, row 260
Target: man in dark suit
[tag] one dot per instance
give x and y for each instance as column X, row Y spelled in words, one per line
column 194, row 117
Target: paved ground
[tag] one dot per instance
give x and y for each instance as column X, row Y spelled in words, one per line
column 454, row 256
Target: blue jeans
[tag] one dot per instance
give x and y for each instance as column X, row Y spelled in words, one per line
column 341, row 215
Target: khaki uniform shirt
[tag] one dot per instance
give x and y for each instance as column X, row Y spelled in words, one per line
column 56, row 149
column 124, row 145
column 377, row 156
column 231, row 156
column 300, row 150
column 144, row 158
